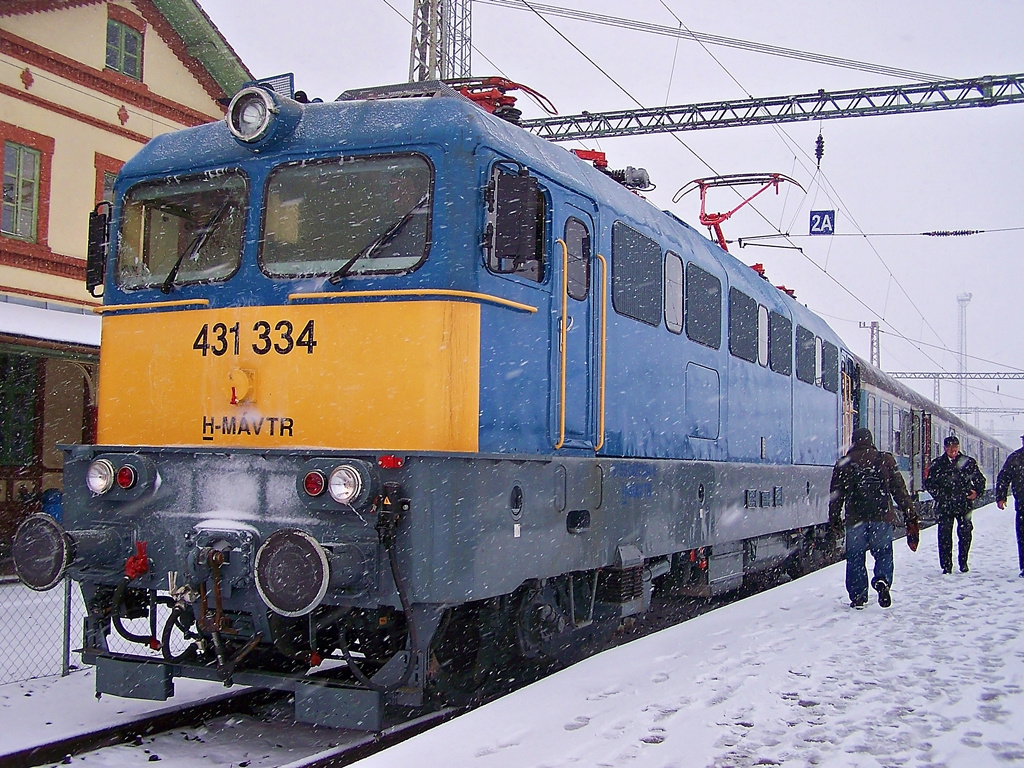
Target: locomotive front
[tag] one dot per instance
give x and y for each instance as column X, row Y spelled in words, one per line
column 239, row 513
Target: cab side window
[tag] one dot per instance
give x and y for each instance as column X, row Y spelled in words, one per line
column 514, row 234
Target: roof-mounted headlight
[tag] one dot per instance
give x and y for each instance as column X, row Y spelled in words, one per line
column 258, row 116
column 251, row 113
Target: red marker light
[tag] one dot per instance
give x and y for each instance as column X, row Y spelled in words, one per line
column 314, row 483
column 126, row 477
column 390, row 461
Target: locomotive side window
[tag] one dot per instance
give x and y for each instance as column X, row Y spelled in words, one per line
column 703, row 307
column 742, row 325
column 515, row 232
column 178, row 231
column 636, row 275
column 347, row 216
column 830, row 366
column 577, row 241
column 805, row 357
column 673, row 292
column 780, row 343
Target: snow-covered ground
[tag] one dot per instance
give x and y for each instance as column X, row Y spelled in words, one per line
column 792, row 677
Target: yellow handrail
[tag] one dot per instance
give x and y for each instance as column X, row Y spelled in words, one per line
column 563, row 332
column 415, row 292
column 604, row 340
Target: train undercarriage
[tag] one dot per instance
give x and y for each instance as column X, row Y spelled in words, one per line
column 335, row 608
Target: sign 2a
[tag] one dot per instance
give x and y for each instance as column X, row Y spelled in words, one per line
column 823, row 222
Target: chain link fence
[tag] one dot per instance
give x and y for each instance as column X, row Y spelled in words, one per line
column 40, row 632
column 37, row 629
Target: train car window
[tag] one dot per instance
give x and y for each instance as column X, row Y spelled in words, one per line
column 673, row 292
column 577, row 241
column 830, row 366
column 703, row 307
column 515, row 231
column 805, row 357
column 182, row 230
column 780, row 343
column 742, row 325
column 347, row 216
column 872, row 422
column 636, row 275
column 762, row 335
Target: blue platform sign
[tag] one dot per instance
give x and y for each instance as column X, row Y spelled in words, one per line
column 823, row 222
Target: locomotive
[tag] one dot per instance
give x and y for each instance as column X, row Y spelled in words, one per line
column 394, row 395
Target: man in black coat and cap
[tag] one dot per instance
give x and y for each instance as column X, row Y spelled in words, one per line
column 1011, row 478
column 864, row 480
column 954, row 480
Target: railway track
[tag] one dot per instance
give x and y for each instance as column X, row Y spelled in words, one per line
column 252, row 712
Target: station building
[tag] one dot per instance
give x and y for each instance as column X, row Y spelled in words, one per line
column 84, row 84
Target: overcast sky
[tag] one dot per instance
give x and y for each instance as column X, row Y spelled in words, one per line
column 887, row 177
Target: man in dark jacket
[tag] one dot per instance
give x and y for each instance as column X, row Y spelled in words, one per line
column 864, row 480
column 1011, row 478
column 954, row 480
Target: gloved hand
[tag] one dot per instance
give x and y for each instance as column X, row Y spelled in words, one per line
column 1001, row 503
column 913, row 531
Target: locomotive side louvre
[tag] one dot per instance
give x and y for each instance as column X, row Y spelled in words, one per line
column 394, row 382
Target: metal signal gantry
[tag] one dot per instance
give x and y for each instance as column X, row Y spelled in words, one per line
column 988, row 91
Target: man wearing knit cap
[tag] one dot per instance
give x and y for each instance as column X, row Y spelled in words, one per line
column 864, row 480
column 955, row 481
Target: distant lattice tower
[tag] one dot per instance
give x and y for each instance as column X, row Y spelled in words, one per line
column 441, row 47
column 964, row 299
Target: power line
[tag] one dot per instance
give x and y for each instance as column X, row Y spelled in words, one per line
column 702, row 37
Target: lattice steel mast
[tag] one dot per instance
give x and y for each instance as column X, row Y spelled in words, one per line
column 441, row 47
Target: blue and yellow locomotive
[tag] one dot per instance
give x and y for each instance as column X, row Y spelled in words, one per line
column 394, row 383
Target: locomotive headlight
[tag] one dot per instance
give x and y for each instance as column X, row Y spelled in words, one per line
column 251, row 113
column 100, row 476
column 345, row 484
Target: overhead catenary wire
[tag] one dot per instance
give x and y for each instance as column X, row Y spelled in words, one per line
column 701, row 37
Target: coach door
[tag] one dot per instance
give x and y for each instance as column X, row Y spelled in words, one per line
column 575, row 355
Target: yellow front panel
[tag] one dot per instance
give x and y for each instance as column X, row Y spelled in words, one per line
column 383, row 376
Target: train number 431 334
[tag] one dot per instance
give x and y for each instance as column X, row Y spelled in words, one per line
column 220, row 339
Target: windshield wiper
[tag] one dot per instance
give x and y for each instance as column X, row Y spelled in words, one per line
column 377, row 242
column 198, row 241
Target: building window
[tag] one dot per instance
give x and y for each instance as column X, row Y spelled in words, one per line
column 107, row 169
column 124, row 49
column 21, row 191
column 17, row 409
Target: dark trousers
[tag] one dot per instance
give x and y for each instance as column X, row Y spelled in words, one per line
column 964, row 527
column 1020, row 532
column 874, row 536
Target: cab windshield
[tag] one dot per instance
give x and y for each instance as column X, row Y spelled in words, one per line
column 349, row 216
column 182, row 230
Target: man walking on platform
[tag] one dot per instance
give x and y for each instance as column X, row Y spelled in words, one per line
column 864, row 480
column 1011, row 478
column 954, row 480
